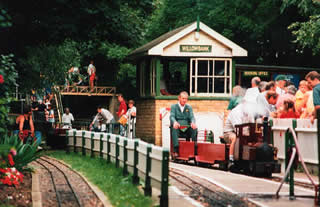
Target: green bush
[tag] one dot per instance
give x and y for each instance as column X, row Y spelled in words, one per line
column 26, row 153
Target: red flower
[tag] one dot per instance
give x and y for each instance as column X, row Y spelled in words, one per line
column 1, row 79
column 11, row 162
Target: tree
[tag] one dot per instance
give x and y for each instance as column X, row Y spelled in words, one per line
column 258, row 26
column 307, row 33
column 98, row 29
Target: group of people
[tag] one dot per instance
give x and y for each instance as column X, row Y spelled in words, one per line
column 42, row 108
column 277, row 99
column 104, row 119
column 75, row 78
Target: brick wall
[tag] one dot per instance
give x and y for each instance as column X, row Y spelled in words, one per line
column 146, row 116
column 148, row 125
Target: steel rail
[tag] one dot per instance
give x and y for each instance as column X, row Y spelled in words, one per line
column 218, row 201
column 54, row 184
column 67, row 180
column 81, row 177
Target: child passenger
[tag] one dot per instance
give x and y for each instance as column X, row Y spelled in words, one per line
column 288, row 110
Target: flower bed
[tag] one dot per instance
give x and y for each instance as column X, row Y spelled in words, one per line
column 17, row 195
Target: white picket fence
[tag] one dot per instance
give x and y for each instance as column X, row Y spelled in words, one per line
column 307, row 138
column 144, row 161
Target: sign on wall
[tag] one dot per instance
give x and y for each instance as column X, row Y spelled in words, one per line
column 256, row 73
column 195, row 48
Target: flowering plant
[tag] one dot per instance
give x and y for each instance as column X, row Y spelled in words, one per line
column 8, row 174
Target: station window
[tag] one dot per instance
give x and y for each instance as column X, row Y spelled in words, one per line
column 210, row 77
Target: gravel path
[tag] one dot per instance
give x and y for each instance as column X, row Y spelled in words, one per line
column 48, row 187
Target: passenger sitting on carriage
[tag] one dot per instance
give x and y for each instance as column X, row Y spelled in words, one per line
column 182, row 122
column 245, row 112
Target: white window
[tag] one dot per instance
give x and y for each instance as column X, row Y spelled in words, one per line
column 210, row 77
column 142, row 66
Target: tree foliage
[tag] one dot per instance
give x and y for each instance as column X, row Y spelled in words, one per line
column 49, row 31
column 306, row 32
column 258, row 26
column 49, row 63
column 8, row 77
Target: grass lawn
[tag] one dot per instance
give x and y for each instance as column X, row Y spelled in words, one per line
column 119, row 189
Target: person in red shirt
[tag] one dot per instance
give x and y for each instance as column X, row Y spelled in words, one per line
column 122, row 111
column 288, row 110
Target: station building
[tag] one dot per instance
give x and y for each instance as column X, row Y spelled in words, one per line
column 192, row 58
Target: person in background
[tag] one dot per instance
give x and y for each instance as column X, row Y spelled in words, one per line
column 271, row 86
column 67, row 119
column 313, row 79
column 280, row 84
column 25, row 123
column 300, row 104
column 47, row 103
column 41, row 106
column 288, row 110
column 131, row 115
column 237, row 95
column 104, row 117
column 253, row 92
column 50, row 113
column 121, row 111
column 240, row 115
column 92, row 74
column 289, row 95
column 182, row 122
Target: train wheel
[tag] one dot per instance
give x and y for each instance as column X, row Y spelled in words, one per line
column 252, row 169
column 223, row 166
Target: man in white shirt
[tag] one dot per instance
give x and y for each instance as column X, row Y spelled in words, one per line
column 280, row 83
column 67, row 119
column 253, row 92
column 106, row 116
column 246, row 112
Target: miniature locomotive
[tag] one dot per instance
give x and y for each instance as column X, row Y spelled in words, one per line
column 254, row 152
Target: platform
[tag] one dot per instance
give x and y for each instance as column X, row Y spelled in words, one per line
column 255, row 189
column 86, row 91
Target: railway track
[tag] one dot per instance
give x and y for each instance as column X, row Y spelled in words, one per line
column 70, row 189
column 205, row 192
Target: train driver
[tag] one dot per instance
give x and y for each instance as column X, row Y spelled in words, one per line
column 242, row 114
column 182, row 122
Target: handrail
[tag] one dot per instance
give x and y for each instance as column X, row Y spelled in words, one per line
column 86, row 90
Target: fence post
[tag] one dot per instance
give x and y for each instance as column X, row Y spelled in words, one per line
column 92, row 145
column 74, row 142
column 117, row 151
column 135, row 177
column 164, row 198
column 101, row 146
column 125, row 157
column 67, row 142
column 318, row 133
column 83, row 144
column 291, row 176
column 147, row 187
column 108, row 149
column 271, row 132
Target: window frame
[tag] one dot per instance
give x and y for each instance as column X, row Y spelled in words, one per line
column 194, row 90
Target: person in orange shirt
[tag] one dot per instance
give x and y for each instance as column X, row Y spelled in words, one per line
column 300, row 104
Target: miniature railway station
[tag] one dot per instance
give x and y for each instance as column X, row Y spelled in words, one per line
column 196, row 59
